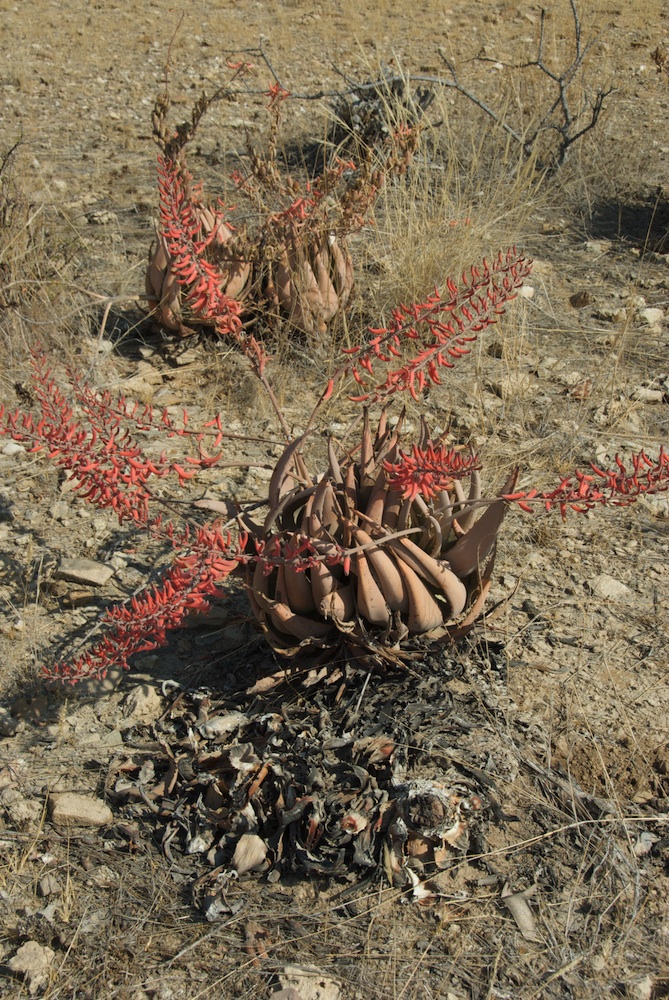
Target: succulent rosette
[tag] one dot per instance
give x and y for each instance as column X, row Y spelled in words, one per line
column 386, row 550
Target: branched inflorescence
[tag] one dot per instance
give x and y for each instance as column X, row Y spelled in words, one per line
column 212, row 290
column 428, row 471
column 110, row 470
column 620, row 487
column 182, row 229
column 383, row 547
column 439, row 329
column 203, row 560
column 290, row 255
column 381, row 553
column 107, row 465
column 384, row 551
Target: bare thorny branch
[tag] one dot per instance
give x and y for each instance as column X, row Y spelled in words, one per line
column 569, row 129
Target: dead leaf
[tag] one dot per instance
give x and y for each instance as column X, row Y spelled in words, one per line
column 256, row 940
column 516, row 903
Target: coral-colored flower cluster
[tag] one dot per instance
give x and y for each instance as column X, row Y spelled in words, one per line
column 202, row 562
column 439, row 329
column 110, row 470
column 106, row 464
column 428, row 471
column 620, row 486
column 187, row 245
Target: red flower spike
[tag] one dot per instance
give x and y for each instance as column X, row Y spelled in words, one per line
column 182, row 232
column 472, row 306
column 142, row 623
column 107, row 466
column 428, row 471
column 618, row 487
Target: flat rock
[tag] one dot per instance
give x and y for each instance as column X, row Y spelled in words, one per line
column 142, row 704
column 23, row 813
column 641, row 989
column 13, row 448
column 609, row 588
column 515, row 384
column 82, row 570
column 71, row 809
column 8, row 725
column 644, row 394
column 651, row 316
column 32, row 961
column 309, row 983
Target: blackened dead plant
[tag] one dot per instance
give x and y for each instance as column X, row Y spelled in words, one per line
column 388, row 550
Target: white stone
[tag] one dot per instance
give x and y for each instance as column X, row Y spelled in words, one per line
column 609, row 588
column 71, row 809
column 83, row 570
column 222, row 725
column 250, row 853
column 645, row 395
column 33, row 961
column 12, row 448
column 641, row 989
column 651, row 316
column 309, row 983
column 142, row 704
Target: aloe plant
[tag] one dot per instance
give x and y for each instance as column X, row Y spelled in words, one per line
column 374, row 555
column 293, row 259
column 382, row 553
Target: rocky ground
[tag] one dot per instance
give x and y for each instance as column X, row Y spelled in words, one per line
column 548, row 726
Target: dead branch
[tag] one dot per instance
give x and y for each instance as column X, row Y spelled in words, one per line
column 570, row 126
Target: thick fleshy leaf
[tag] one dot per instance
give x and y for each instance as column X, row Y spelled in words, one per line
column 471, row 551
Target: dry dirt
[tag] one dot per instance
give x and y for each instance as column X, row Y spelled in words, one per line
column 557, row 709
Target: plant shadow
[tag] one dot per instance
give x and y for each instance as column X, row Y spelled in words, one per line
column 642, row 223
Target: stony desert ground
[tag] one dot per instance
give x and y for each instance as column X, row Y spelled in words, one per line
column 553, row 712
